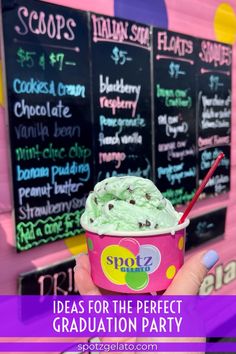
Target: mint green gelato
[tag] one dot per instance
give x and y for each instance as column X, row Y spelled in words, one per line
column 128, row 204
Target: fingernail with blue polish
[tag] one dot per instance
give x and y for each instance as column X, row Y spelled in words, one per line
column 210, row 258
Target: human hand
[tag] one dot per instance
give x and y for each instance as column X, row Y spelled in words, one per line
column 186, row 282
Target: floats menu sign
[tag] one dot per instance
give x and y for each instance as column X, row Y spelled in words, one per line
column 174, row 114
column 47, row 72
column 214, row 112
column 121, row 97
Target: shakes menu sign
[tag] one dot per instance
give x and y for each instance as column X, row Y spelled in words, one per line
column 121, row 97
column 214, row 112
column 48, row 86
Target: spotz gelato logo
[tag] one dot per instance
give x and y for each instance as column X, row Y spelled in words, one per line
column 130, row 263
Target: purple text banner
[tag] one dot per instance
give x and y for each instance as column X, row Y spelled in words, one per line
column 114, row 316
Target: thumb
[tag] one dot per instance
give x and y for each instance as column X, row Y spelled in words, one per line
column 190, row 277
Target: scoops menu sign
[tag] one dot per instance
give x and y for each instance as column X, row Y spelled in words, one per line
column 48, row 85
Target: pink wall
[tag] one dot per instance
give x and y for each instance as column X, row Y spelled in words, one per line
column 192, row 17
column 197, row 18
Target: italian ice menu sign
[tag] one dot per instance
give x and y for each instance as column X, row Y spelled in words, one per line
column 47, row 72
column 174, row 114
column 121, row 97
column 214, row 112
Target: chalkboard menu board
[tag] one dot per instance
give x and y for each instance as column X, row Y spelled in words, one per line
column 174, row 114
column 58, row 279
column 121, row 97
column 205, row 227
column 93, row 96
column 214, row 112
column 48, row 87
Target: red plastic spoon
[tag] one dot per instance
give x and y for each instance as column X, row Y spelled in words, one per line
column 201, row 187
